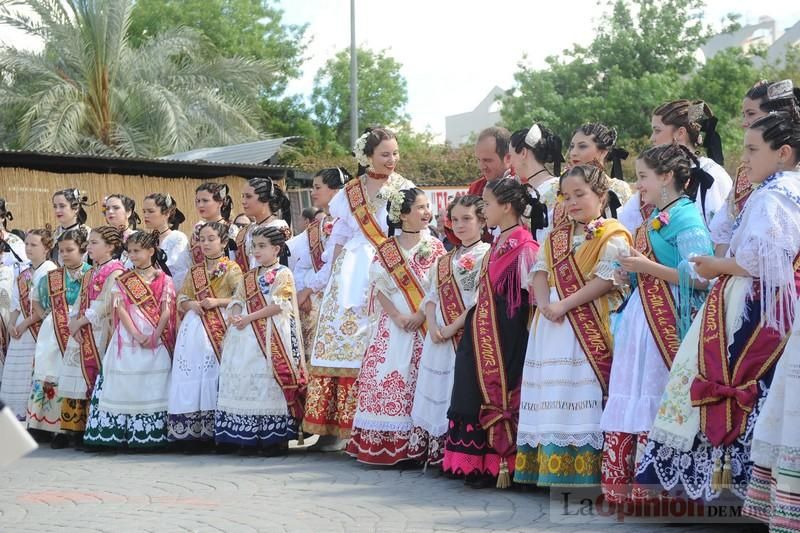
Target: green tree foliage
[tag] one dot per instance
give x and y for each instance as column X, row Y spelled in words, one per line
column 382, row 93
column 252, row 29
column 90, row 91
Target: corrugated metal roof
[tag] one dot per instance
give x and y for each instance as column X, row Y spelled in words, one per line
column 252, row 153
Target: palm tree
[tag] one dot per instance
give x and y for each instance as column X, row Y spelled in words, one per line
column 90, row 91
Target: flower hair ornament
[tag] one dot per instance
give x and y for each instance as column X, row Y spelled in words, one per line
column 396, row 200
column 534, row 136
column 168, row 200
column 358, row 150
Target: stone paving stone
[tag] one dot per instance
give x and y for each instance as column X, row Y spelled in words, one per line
column 65, row 491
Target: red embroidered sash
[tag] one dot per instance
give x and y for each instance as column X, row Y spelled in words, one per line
column 498, row 414
column 391, row 257
column 197, row 254
column 645, row 209
column 212, row 319
column 559, row 214
column 25, row 277
column 742, row 189
column 91, row 359
column 357, row 199
column 59, row 306
column 658, row 303
column 241, row 248
column 585, row 319
column 727, row 397
column 450, row 299
column 288, row 373
column 315, row 246
column 142, row 296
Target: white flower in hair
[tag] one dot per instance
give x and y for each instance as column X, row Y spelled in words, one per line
column 396, row 199
column 358, row 150
column 534, row 136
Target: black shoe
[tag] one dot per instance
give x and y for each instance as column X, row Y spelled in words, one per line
column 59, row 442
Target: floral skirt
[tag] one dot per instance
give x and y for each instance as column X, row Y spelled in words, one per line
column 375, row 447
column 191, row 426
column 44, row 407
column 621, row 453
column 552, row 465
column 254, row 430
column 330, row 405
column 140, row 430
column 74, row 414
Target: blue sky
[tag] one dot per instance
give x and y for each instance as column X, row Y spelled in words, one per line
column 454, row 52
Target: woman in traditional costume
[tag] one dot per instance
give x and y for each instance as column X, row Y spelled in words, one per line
column 262, row 378
column 55, row 297
column 343, row 330
column 120, row 212
column 268, row 205
column 161, row 214
column 482, row 419
column 723, row 370
column 568, row 360
column 383, row 433
column 531, row 149
column 24, row 323
column 129, row 404
column 90, row 329
column 214, row 204
column 13, row 252
column 204, row 299
column 759, row 101
column 69, row 209
column 596, row 144
column 691, row 124
column 665, row 297
column 452, row 293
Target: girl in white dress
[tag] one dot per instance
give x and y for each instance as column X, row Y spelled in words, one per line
column 161, row 213
column 203, row 298
column 262, row 376
column 454, row 282
column 383, row 433
column 90, row 329
column 55, row 298
column 24, row 323
column 268, row 205
column 129, row 404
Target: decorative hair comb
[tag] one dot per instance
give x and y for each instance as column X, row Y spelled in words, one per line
column 696, row 111
column 780, row 90
column 534, row 136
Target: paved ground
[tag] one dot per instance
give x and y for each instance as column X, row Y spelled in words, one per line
column 66, row 490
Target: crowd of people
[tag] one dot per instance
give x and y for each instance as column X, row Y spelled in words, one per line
column 578, row 330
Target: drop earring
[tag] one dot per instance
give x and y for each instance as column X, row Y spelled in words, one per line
column 664, row 194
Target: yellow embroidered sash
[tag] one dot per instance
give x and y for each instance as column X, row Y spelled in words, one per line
column 315, row 246
column 357, row 199
column 391, row 257
column 212, row 319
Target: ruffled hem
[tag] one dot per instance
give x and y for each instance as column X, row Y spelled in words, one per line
column 594, row 440
column 386, row 448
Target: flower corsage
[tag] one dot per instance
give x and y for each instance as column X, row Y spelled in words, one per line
column 594, row 228
column 219, row 270
column 465, row 264
column 660, row 221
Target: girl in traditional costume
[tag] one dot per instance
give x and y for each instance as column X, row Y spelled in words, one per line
column 129, row 404
column 482, row 418
column 383, row 433
column 90, row 328
column 120, row 212
column 69, row 209
column 55, row 297
column 723, row 370
column 262, row 378
column 343, row 330
column 204, row 298
column 214, row 204
column 161, row 214
column 691, row 124
column 760, row 100
column 596, row 144
column 311, row 271
column 568, row 360
column 531, row 149
column 268, row 205
column 24, row 323
column 658, row 314
column 453, row 289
